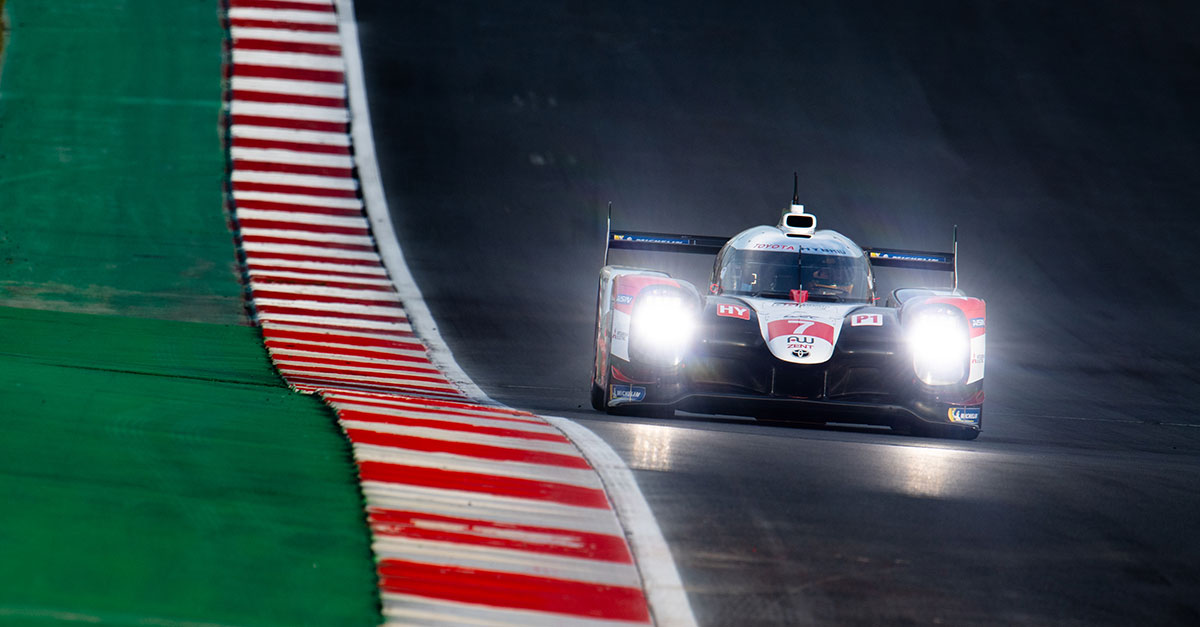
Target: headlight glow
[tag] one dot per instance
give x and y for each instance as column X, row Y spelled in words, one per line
column 662, row 326
column 940, row 345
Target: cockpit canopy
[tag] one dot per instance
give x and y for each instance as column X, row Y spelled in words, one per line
column 831, row 271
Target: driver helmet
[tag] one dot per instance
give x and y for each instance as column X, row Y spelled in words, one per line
column 829, row 275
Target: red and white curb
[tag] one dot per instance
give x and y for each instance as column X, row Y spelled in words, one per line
column 480, row 514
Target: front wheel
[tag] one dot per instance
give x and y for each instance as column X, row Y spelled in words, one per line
column 598, row 400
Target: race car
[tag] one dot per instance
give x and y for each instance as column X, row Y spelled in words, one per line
column 790, row 328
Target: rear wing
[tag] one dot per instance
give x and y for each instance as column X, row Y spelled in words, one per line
column 664, row 242
column 914, row 259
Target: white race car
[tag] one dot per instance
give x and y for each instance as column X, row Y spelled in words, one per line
column 790, row 327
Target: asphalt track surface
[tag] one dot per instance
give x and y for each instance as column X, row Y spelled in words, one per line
column 1060, row 137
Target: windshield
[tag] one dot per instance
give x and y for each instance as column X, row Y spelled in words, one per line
column 830, row 278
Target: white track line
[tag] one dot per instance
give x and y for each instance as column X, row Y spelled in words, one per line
column 664, row 589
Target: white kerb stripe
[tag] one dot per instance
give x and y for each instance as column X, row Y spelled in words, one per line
column 490, row 507
column 300, row 217
column 558, row 448
column 490, row 467
column 301, row 201
column 506, row 560
column 328, row 291
column 295, row 157
column 280, row 34
column 288, row 86
column 324, row 238
column 315, row 251
column 303, row 180
column 345, row 322
column 290, row 111
column 408, row 368
column 315, row 265
column 307, row 369
column 357, row 378
column 433, row 414
column 284, row 275
column 339, row 399
column 254, row 131
column 325, row 254
column 269, row 328
column 302, row 60
column 296, row 355
column 341, row 308
column 283, row 15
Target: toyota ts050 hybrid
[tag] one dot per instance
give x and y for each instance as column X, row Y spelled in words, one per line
column 790, row 327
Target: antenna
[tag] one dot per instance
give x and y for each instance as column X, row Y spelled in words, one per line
column 607, row 232
column 954, row 251
column 795, row 188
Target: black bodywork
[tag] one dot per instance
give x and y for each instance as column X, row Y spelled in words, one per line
column 729, row 369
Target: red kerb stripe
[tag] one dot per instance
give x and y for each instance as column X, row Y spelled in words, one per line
column 262, row 254
column 292, row 168
column 248, row 142
column 283, row 25
column 488, row 484
column 305, row 360
column 316, row 371
column 425, row 405
column 281, row 5
column 287, row 46
column 242, row 95
column 303, row 125
column 568, row 542
column 281, row 334
column 353, row 414
column 319, row 325
column 271, row 280
column 283, row 225
column 244, row 70
column 500, row 589
column 482, row 451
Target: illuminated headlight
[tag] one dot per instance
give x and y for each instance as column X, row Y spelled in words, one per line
column 662, row 327
column 939, row 342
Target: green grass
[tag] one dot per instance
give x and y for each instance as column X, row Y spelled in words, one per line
column 158, row 472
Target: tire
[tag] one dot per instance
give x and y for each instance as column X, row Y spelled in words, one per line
column 598, row 399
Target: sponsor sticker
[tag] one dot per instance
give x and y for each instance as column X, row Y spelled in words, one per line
column 769, row 246
column 624, row 299
column 733, row 311
column 964, row 415
column 650, row 239
column 629, row 393
column 977, row 323
column 826, row 250
column 866, row 320
column 909, row 257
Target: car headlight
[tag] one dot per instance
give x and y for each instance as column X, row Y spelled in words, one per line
column 662, row 327
column 940, row 345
